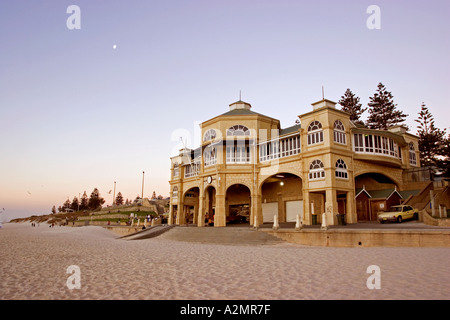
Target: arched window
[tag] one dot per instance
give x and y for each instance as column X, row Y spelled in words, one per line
column 316, row 170
column 339, row 132
column 341, row 169
column 209, row 135
column 412, row 154
column 210, row 156
column 176, row 170
column 175, row 192
column 238, row 130
column 315, row 133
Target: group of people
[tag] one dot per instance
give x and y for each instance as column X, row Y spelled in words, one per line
column 209, row 219
column 133, row 217
column 52, row 225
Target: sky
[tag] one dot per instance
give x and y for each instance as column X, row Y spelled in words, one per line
column 82, row 108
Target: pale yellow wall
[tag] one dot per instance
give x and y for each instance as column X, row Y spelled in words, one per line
column 321, row 192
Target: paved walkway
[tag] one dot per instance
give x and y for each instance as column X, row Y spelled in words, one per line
column 360, row 225
column 412, row 225
column 228, row 236
column 243, row 234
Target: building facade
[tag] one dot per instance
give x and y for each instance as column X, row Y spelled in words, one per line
column 248, row 168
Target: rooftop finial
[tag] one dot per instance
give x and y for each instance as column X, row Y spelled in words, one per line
column 323, row 94
column 240, row 99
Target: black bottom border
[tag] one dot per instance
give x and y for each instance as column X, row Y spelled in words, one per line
column 218, row 309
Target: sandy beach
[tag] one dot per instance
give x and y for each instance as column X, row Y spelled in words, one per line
column 34, row 262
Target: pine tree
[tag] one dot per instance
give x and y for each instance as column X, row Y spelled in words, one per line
column 84, row 201
column 54, row 209
column 75, row 203
column 119, row 199
column 66, row 205
column 350, row 104
column 382, row 110
column 445, row 164
column 95, row 200
column 431, row 139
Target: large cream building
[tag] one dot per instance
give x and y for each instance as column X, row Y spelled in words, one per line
column 248, row 166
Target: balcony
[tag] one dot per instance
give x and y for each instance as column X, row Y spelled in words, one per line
column 279, row 148
column 192, row 170
column 377, row 148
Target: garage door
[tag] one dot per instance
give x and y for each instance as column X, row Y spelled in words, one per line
column 269, row 210
column 292, row 209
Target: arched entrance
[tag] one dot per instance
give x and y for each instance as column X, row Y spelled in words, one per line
column 374, row 181
column 281, row 194
column 237, row 204
column 191, row 205
column 374, row 192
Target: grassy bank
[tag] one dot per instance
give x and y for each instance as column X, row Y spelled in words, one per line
column 63, row 217
column 57, row 218
column 126, row 215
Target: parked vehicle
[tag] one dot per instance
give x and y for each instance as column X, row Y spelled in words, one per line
column 398, row 214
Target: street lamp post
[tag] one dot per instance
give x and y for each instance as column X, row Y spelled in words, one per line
column 114, row 195
column 142, row 186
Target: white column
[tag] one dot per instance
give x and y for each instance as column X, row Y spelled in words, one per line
column 299, row 223
column 324, row 222
column 276, row 226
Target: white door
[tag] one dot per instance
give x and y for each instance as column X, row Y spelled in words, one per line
column 292, row 209
column 269, row 210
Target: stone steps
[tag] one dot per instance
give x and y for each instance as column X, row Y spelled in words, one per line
column 226, row 235
column 151, row 232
